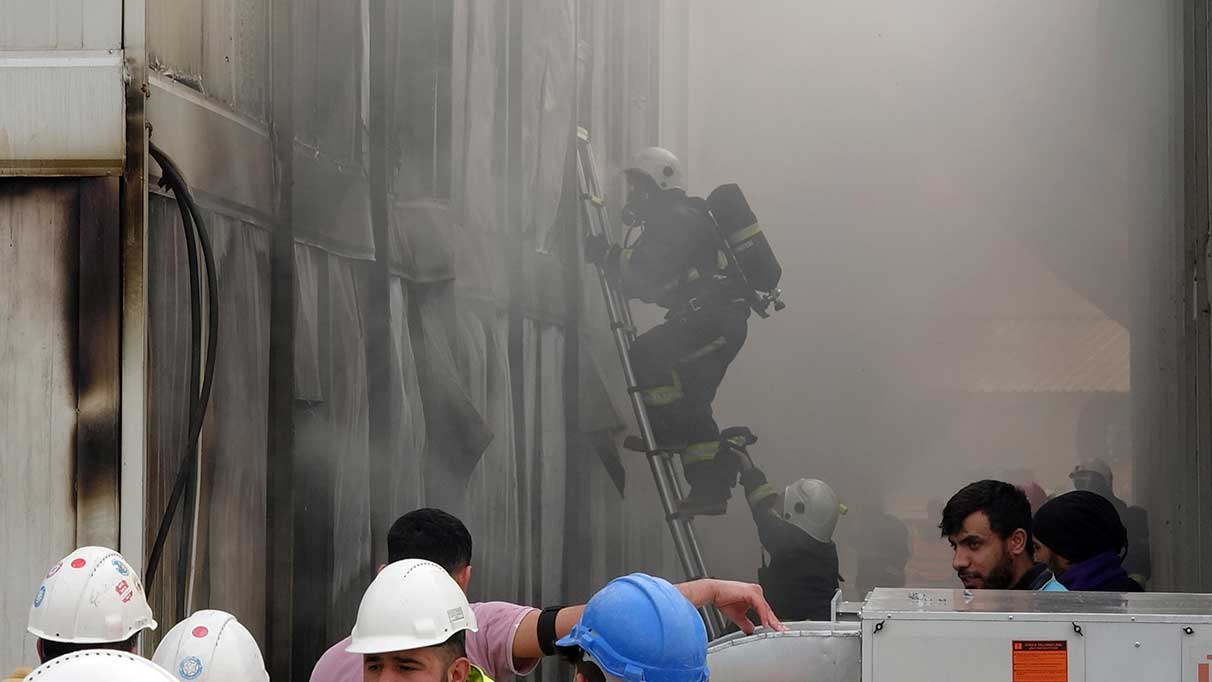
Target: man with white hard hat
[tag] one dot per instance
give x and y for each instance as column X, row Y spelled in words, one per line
column 91, row 599
column 211, row 646
column 100, row 665
column 412, row 626
column 512, row 638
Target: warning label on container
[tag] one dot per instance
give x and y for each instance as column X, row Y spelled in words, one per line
column 1041, row 661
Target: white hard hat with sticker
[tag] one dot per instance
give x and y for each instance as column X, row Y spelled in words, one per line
column 210, row 646
column 99, row 665
column 92, row 596
column 412, row 604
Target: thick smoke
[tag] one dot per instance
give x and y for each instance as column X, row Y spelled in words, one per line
column 958, row 193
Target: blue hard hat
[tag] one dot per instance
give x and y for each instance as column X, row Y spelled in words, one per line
column 641, row 629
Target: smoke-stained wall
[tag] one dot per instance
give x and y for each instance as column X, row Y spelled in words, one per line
column 446, row 350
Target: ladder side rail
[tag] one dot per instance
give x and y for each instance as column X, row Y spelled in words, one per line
column 624, row 331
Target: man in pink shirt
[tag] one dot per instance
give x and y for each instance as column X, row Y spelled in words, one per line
column 512, row 638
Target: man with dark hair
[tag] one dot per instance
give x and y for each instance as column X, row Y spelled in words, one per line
column 433, row 535
column 1084, row 541
column 511, row 638
column 988, row 524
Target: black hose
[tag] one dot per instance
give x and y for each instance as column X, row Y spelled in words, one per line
column 192, row 222
column 195, row 360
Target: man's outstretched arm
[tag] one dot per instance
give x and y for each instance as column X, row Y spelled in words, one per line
column 734, row 599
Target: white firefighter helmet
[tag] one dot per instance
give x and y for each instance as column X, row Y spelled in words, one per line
column 661, row 166
column 1093, row 466
column 211, row 646
column 811, row 505
column 92, row 596
column 412, row 604
column 99, row 665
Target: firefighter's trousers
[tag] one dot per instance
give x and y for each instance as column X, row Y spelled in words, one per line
column 679, row 365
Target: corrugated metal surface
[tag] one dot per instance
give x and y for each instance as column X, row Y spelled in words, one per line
column 66, row 108
column 60, row 24
column 231, row 527
column 219, row 46
column 37, row 395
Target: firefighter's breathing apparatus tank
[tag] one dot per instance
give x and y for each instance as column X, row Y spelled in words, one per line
column 746, row 247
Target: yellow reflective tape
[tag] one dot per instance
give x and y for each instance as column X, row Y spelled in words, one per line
column 697, row 453
column 661, row 395
column 760, row 493
column 721, row 260
column 693, row 275
column 842, row 509
column 744, row 234
column 710, row 348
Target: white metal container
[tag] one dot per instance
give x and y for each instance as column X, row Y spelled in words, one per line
column 1001, row 636
column 808, row 652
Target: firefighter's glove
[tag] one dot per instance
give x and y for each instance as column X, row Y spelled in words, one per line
column 752, row 479
column 596, row 248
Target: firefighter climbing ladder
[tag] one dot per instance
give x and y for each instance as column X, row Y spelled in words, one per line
column 660, row 461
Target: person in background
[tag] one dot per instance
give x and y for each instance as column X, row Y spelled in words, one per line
column 637, row 629
column 1095, row 476
column 1036, row 495
column 1081, row 537
column 796, row 528
column 90, row 599
column 883, row 547
column 511, row 639
column 988, row 524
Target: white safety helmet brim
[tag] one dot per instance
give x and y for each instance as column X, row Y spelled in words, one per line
column 211, row 646
column 411, row 604
column 91, row 596
column 99, row 665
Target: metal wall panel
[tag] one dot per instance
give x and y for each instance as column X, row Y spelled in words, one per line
column 174, row 37
column 231, row 556
column 37, row 394
column 61, row 114
column 219, row 47
column 60, row 24
column 222, row 153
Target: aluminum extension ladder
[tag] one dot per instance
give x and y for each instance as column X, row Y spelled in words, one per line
column 624, row 332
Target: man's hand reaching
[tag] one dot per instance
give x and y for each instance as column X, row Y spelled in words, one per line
column 734, row 599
